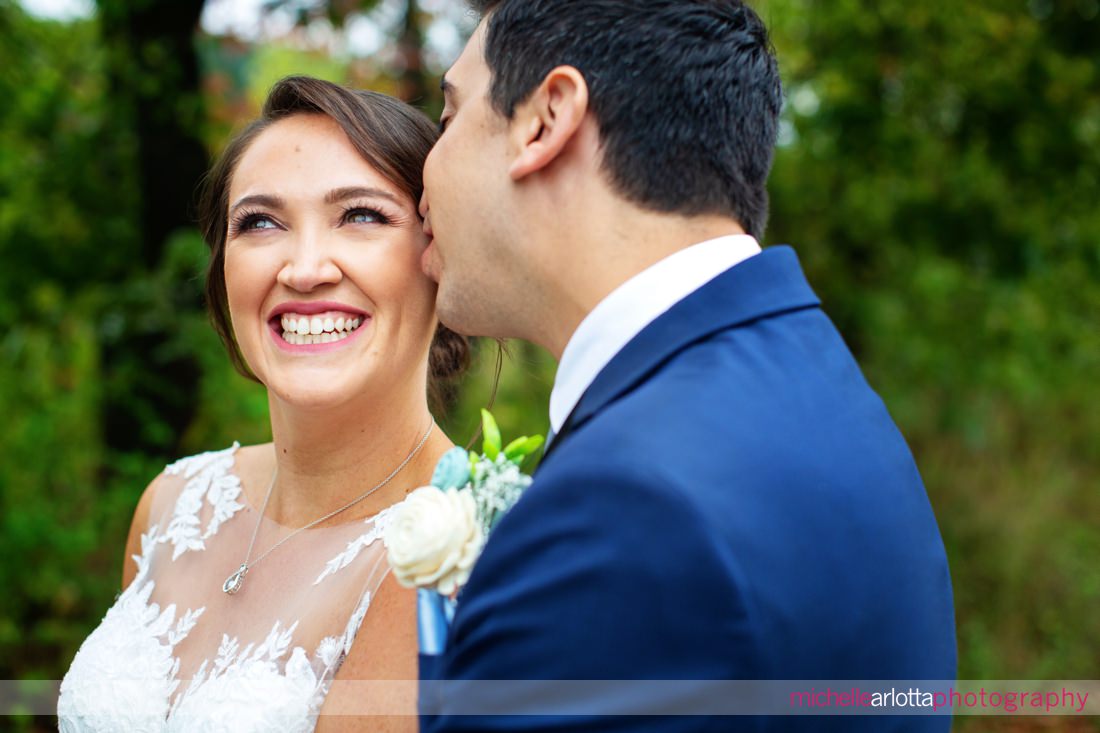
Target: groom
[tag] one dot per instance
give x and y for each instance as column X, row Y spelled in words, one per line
column 724, row 498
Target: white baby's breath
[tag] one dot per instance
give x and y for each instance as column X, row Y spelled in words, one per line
column 497, row 485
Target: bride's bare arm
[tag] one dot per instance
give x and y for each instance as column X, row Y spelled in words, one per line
column 379, row 676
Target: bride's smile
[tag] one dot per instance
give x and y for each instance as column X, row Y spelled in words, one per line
column 310, row 328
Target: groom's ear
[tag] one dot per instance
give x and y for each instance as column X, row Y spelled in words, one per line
column 545, row 123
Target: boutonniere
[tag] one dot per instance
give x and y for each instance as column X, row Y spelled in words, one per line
column 434, row 536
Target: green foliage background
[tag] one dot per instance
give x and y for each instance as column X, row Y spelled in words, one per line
column 939, row 174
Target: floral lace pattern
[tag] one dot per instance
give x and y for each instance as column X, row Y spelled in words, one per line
column 208, row 477
column 126, row 668
column 125, row 675
column 291, row 693
column 347, row 557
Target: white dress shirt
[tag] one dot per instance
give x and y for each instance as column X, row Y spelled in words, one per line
column 632, row 306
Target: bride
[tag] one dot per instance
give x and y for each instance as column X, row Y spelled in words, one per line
column 256, row 576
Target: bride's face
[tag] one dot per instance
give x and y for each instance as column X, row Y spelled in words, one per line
column 322, row 269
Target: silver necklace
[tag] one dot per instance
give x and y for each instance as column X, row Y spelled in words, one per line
column 234, row 582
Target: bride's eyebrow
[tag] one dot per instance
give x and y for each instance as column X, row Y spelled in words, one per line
column 265, row 200
column 337, row 195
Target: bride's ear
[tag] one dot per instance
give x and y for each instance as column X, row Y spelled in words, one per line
column 545, row 123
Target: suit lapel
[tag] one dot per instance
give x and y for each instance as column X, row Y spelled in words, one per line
column 768, row 284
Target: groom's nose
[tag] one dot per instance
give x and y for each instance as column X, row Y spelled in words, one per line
column 423, row 208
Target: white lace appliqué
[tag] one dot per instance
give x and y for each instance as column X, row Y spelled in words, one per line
column 208, row 477
column 363, row 541
column 126, row 672
column 257, row 688
column 125, row 675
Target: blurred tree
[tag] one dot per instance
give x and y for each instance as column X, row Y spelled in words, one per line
column 413, row 84
column 155, row 90
column 415, row 87
column 154, row 94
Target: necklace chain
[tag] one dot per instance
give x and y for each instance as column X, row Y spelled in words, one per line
column 234, row 582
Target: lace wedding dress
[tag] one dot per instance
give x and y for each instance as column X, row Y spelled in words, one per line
column 176, row 653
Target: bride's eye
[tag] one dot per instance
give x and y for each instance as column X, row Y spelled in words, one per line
column 364, row 215
column 250, row 222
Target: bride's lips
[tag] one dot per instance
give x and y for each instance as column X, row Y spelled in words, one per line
column 333, row 310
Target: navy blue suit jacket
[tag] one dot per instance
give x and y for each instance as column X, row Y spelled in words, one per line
column 730, row 500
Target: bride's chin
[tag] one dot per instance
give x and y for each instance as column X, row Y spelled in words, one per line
column 311, row 398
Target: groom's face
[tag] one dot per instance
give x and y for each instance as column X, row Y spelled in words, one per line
column 466, row 204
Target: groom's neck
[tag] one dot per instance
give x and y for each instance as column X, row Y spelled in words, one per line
column 596, row 253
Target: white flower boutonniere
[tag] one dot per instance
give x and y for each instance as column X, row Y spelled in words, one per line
column 434, row 538
column 436, row 534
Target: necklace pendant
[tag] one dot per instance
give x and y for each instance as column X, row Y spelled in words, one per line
column 234, row 582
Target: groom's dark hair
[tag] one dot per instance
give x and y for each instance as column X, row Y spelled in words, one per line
column 686, row 93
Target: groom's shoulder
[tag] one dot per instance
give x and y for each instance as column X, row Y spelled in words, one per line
column 772, row 392
column 782, row 384
column 772, row 412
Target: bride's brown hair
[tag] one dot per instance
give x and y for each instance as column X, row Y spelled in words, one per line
column 390, row 135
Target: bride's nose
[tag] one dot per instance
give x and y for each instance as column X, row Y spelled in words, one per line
column 309, row 264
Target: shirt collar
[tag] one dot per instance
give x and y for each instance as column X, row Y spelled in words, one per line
column 632, row 306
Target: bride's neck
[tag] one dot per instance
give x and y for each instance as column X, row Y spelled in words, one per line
column 328, row 457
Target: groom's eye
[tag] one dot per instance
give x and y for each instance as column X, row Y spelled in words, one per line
column 443, row 122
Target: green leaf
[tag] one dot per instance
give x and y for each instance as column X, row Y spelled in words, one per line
column 512, row 449
column 491, row 432
column 520, row 448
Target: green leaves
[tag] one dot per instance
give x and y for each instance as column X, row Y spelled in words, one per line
column 520, row 448
column 516, row 451
column 492, row 442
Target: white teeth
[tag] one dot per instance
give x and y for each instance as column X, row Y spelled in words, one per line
column 298, row 339
column 305, row 330
column 316, row 325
